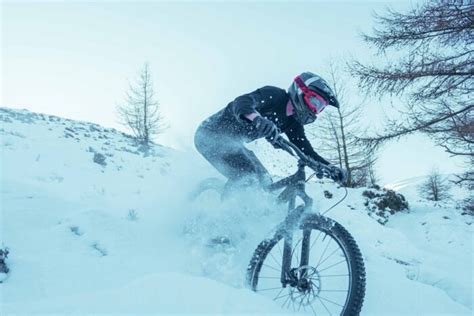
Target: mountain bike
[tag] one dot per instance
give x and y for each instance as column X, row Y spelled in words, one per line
column 310, row 263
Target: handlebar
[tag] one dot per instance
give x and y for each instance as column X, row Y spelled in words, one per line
column 320, row 169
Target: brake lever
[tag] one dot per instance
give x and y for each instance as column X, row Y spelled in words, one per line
column 321, row 170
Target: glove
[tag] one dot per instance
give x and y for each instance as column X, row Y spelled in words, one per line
column 274, row 143
column 274, row 139
column 337, row 174
column 264, row 127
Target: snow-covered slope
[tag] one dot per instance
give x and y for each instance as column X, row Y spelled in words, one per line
column 96, row 224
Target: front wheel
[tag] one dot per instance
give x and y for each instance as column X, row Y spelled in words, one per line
column 326, row 275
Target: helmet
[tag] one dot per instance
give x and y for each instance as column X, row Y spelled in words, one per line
column 310, row 94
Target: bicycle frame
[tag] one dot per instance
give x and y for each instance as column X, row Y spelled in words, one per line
column 302, row 280
column 294, row 187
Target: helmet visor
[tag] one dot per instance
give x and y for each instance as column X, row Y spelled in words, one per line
column 315, row 102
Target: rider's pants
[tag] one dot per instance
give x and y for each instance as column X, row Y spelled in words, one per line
column 230, row 157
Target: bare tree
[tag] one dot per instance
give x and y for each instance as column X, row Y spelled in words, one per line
column 372, row 175
column 433, row 71
column 337, row 133
column 435, row 187
column 140, row 112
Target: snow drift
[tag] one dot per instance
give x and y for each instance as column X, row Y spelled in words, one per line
column 96, row 224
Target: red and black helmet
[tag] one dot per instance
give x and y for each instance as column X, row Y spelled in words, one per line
column 310, row 94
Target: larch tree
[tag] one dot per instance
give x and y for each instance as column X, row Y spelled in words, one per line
column 140, row 112
column 435, row 187
column 427, row 61
column 338, row 131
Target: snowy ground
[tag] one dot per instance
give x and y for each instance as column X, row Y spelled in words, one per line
column 118, row 235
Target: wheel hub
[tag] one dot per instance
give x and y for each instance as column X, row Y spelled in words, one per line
column 307, row 284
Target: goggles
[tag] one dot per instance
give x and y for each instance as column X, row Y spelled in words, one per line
column 315, row 102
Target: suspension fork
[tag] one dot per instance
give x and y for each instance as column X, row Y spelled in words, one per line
column 294, row 215
column 292, row 224
column 305, row 248
column 287, row 247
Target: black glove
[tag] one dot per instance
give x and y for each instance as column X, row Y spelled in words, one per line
column 273, row 140
column 337, row 174
column 264, row 127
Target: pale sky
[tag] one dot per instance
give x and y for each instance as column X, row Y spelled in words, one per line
column 74, row 59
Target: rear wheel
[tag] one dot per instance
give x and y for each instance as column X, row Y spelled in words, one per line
column 327, row 274
column 209, row 184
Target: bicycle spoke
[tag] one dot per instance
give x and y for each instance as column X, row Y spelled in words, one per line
column 291, row 298
column 333, row 275
column 284, row 303
column 325, row 249
column 306, row 300
column 299, row 295
column 313, row 272
column 275, row 259
column 276, row 297
column 265, row 277
column 324, row 305
column 301, row 303
column 333, row 265
column 295, row 298
column 266, row 265
column 320, row 297
column 283, row 296
column 316, row 240
column 311, row 305
column 297, row 259
column 294, row 252
column 313, row 286
column 332, row 253
column 334, row 291
column 273, row 288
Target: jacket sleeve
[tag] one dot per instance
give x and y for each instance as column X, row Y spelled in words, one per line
column 245, row 104
column 297, row 136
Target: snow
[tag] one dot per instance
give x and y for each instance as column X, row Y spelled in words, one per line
column 444, row 239
column 158, row 293
column 122, row 237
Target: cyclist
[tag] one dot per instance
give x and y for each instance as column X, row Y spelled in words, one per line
column 265, row 112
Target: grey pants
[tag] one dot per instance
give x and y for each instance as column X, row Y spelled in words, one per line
column 230, row 157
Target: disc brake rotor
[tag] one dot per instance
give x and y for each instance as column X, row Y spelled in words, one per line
column 306, row 284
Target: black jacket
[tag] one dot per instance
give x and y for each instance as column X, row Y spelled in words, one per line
column 271, row 103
